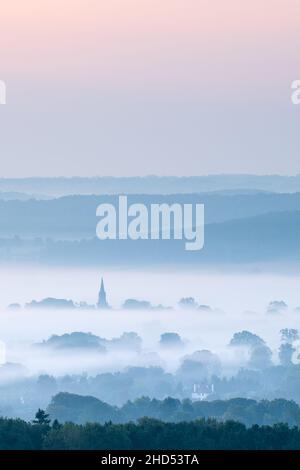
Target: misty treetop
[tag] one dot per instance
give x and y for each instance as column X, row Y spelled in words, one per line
column 200, row 375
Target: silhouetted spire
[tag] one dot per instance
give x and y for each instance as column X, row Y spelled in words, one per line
column 102, row 302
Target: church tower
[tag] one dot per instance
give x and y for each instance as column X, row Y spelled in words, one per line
column 102, row 302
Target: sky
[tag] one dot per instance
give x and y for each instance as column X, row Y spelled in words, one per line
column 136, row 87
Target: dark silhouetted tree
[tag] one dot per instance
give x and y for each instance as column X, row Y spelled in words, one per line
column 41, row 418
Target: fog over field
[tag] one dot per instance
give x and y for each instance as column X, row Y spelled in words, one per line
column 238, row 302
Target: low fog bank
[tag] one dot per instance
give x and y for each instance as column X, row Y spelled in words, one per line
column 231, row 289
column 231, row 336
column 204, row 309
column 188, row 354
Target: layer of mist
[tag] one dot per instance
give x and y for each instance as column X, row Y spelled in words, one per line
column 157, row 352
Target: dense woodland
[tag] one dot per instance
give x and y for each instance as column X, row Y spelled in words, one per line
column 66, row 407
column 146, row 434
column 182, row 425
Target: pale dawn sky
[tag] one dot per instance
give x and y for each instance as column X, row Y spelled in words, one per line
column 135, row 87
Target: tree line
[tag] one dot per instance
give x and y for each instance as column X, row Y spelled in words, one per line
column 80, row 409
column 147, row 433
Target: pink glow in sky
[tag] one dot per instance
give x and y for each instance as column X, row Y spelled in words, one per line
column 133, row 87
column 149, row 44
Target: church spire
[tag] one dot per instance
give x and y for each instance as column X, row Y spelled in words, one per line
column 102, row 302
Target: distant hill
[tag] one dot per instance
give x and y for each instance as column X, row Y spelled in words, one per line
column 15, row 196
column 74, row 217
column 150, row 184
column 82, row 409
column 264, row 238
column 272, row 237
